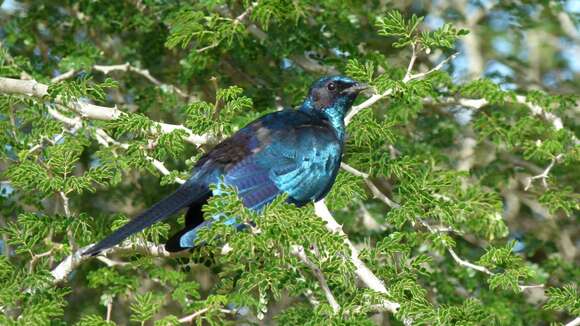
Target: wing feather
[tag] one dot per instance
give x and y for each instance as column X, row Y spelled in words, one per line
column 296, row 163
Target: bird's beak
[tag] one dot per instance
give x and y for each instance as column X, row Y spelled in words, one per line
column 355, row 88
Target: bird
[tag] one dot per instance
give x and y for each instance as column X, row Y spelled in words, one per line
column 296, row 152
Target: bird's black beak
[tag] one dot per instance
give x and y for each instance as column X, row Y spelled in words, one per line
column 355, row 88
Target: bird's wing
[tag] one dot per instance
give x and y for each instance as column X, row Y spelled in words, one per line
column 298, row 160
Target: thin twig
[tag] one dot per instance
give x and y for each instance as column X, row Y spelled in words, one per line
column 63, row 76
column 104, row 139
column 65, row 203
column 550, row 117
column 299, row 252
column 238, row 20
column 205, row 48
column 110, row 262
column 372, row 186
column 246, row 12
column 109, row 310
column 353, row 171
column 468, row 264
column 408, row 74
column 36, row 257
column 465, row 263
column 107, row 69
column 367, row 103
column 437, row 67
column 380, row 195
column 544, row 175
column 190, row 318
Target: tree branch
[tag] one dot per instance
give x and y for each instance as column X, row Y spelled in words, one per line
column 465, row 263
column 372, row 186
column 553, row 119
column 544, row 175
column 362, row 271
column 377, row 97
column 89, row 111
column 70, row 263
column 298, row 251
column 107, row 69
column 468, row 264
column 411, row 63
column 190, row 318
column 104, row 139
column 437, row 67
column 574, row 322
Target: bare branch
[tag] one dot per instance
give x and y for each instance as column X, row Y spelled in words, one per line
column 89, row 111
column 65, row 203
column 353, row 171
column 465, row 263
column 372, row 186
column 143, row 72
column 537, row 110
column 64, row 76
column 362, row 271
column 61, row 272
column 190, row 318
column 437, row 67
column 205, row 48
column 411, row 63
column 110, row 262
column 36, row 257
column 468, row 264
column 545, row 174
column 107, row 69
column 369, row 102
column 104, row 139
column 298, row 251
column 380, row 195
column 568, row 26
column 533, row 286
column 246, row 12
column 109, row 310
column 574, row 322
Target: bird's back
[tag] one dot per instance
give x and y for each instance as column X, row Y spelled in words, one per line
column 283, row 152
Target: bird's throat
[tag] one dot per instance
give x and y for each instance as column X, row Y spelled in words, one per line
column 334, row 115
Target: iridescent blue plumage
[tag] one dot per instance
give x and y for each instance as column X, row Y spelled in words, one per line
column 296, row 152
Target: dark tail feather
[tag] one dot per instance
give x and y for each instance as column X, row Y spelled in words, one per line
column 163, row 209
column 193, row 218
column 174, row 243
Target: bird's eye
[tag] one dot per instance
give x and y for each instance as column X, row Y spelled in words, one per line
column 331, row 86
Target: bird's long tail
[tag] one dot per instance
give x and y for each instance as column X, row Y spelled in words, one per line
column 182, row 197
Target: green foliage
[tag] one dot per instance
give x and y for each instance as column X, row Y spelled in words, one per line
column 93, row 320
column 511, row 268
column 565, row 298
column 144, row 307
column 395, row 25
column 217, row 118
column 406, row 31
column 67, row 91
column 208, row 30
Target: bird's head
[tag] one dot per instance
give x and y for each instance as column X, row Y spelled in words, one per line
column 333, row 96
